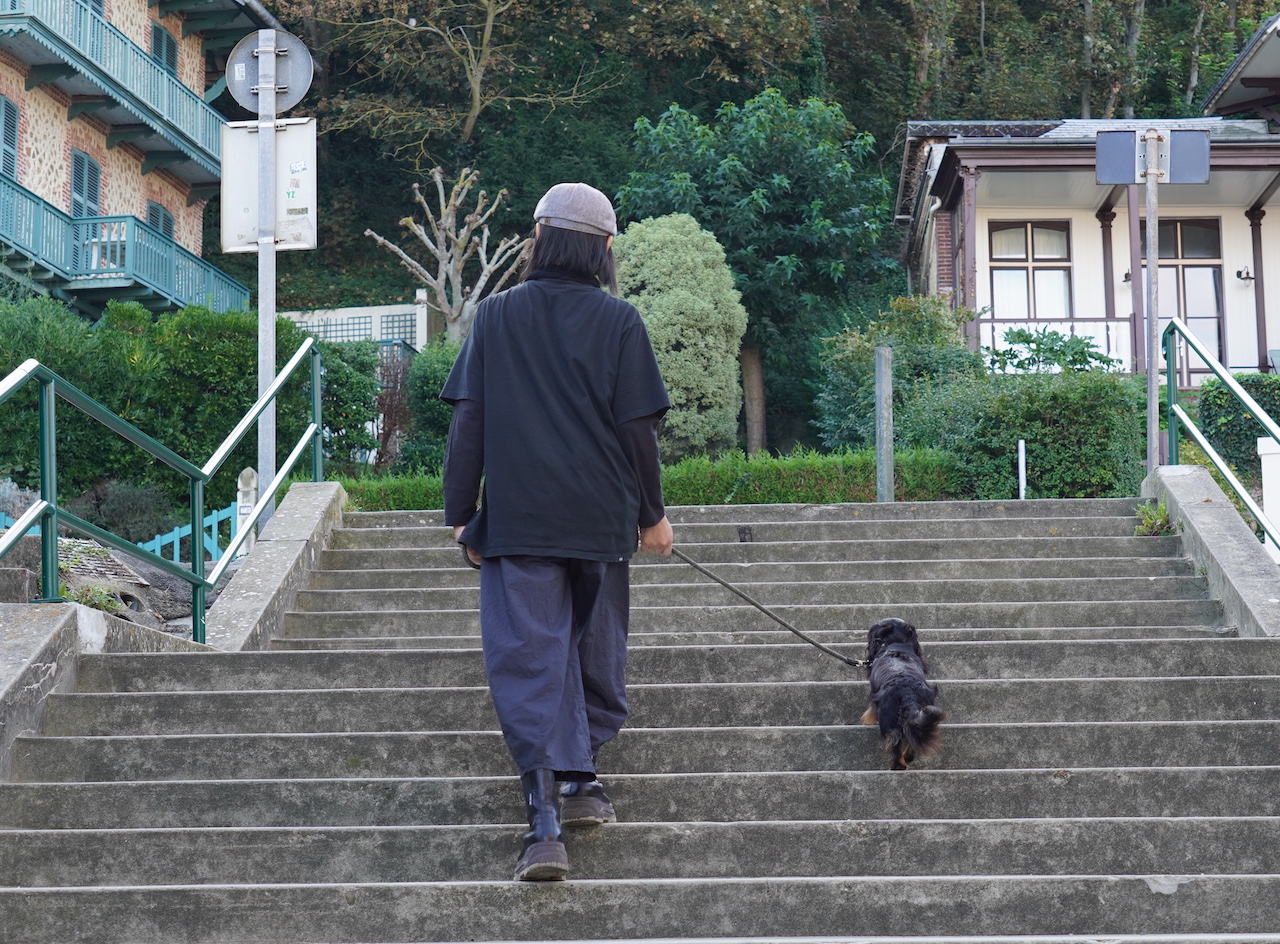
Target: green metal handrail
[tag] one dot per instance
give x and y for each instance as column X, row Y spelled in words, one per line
column 49, row 516
column 1178, row 417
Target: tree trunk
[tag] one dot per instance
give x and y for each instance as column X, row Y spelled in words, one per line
column 753, row 398
column 1086, row 62
column 1197, row 36
column 1132, row 36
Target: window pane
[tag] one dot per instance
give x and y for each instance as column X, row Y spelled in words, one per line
column 1009, row 293
column 1009, row 242
column 1053, row 294
column 1202, row 284
column 1049, row 242
column 1201, row 240
column 1168, row 240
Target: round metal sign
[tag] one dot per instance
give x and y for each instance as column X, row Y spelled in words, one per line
column 293, row 71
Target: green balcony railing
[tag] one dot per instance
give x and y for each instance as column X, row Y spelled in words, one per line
column 100, row 248
column 75, row 24
column 1179, row 418
column 50, row 517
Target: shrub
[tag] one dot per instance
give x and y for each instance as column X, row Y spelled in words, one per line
column 134, row 512
column 422, row 452
column 1226, row 423
column 928, row 351
column 1084, row 432
column 804, row 476
column 674, row 272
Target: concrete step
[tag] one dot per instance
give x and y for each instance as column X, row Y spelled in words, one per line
column 849, row 618
column 880, row 593
column 1115, row 846
column 775, row 531
column 840, row 511
column 641, row 750
column 653, row 798
column 342, row 632
column 389, row 556
column 233, row 671
column 731, row 704
column 655, row 908
column 794, row 572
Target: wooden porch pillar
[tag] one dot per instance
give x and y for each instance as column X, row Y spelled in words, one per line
column 969, row 283
column 1254, row 215
column 1137, row 319
column 1106, row 217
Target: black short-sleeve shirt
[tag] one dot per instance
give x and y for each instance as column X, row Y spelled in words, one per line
column 557, row 366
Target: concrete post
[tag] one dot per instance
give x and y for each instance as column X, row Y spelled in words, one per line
column 1269, row 453
column 884, row 424
column 246, row 498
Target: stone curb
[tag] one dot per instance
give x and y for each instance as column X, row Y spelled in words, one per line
column 1240, row 572
column 249, row 613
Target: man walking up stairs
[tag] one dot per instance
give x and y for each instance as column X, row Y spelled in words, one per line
column 1110, row 767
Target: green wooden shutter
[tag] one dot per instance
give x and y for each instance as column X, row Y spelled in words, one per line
column 8, row 138
column 164, row 48
column 86, row 185
column 160, row 218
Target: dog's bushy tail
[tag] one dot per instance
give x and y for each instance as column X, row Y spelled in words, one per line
column 919, row 727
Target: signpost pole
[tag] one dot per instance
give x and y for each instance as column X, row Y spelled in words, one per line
column 1153, row 174
column 266, row 55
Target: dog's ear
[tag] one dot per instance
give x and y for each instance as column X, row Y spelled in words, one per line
column 875, row 639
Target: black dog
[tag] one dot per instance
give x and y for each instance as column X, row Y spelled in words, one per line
column 901, row 700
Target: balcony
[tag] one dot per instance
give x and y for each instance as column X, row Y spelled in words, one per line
column 67, row 43
column 91, row 260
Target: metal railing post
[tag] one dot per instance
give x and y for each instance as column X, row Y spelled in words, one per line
column 197, row 561
column 1171, row 393
column 317, row 441
column 49, row 494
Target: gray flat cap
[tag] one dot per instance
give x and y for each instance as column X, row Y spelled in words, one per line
column 579, row 207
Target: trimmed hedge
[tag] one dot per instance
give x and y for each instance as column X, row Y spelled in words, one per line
column 803, row 476
column 1226, row 423
column 1084, row 431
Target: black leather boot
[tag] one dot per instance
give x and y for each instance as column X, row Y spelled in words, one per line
column 544, row 858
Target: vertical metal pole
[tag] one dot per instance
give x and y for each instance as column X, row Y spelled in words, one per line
column 884, row 424
column 1152, row 139
column 197, row 561
column 266, row 53
column 317, row 417
column 49, row 583
column 1022, row 469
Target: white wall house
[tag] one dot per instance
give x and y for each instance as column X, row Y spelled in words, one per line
column 1007, row 217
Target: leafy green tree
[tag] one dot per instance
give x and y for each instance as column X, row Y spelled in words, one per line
column 674, row 272
column 429, row 416
column 791, row 195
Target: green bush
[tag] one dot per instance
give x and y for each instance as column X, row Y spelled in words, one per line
column 184, row 378
column 1226, row 423
column 674, row 272
column 804, row 476
column 422, row 451
column 929, row 350
column 1084, row 432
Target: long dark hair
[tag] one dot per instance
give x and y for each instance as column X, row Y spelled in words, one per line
column 584, row 254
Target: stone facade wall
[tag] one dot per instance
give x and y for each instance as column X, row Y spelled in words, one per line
column 46, row 140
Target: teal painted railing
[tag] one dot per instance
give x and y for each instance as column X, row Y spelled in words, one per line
column 73, row 24
column 173, row 539
column 50, row 517
column 1179, row 419
column 112, row 247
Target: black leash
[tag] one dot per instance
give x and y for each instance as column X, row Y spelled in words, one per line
column 856, row 663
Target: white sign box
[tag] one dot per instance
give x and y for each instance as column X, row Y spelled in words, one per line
column 295, row 185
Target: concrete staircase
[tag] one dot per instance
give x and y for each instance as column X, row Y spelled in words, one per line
column 1111, row 762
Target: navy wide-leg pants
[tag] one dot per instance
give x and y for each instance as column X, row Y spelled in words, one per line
column 554, row 631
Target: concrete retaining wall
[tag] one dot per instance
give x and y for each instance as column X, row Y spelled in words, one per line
column 39, row 646
column 249, row 613
column 1240, row 571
